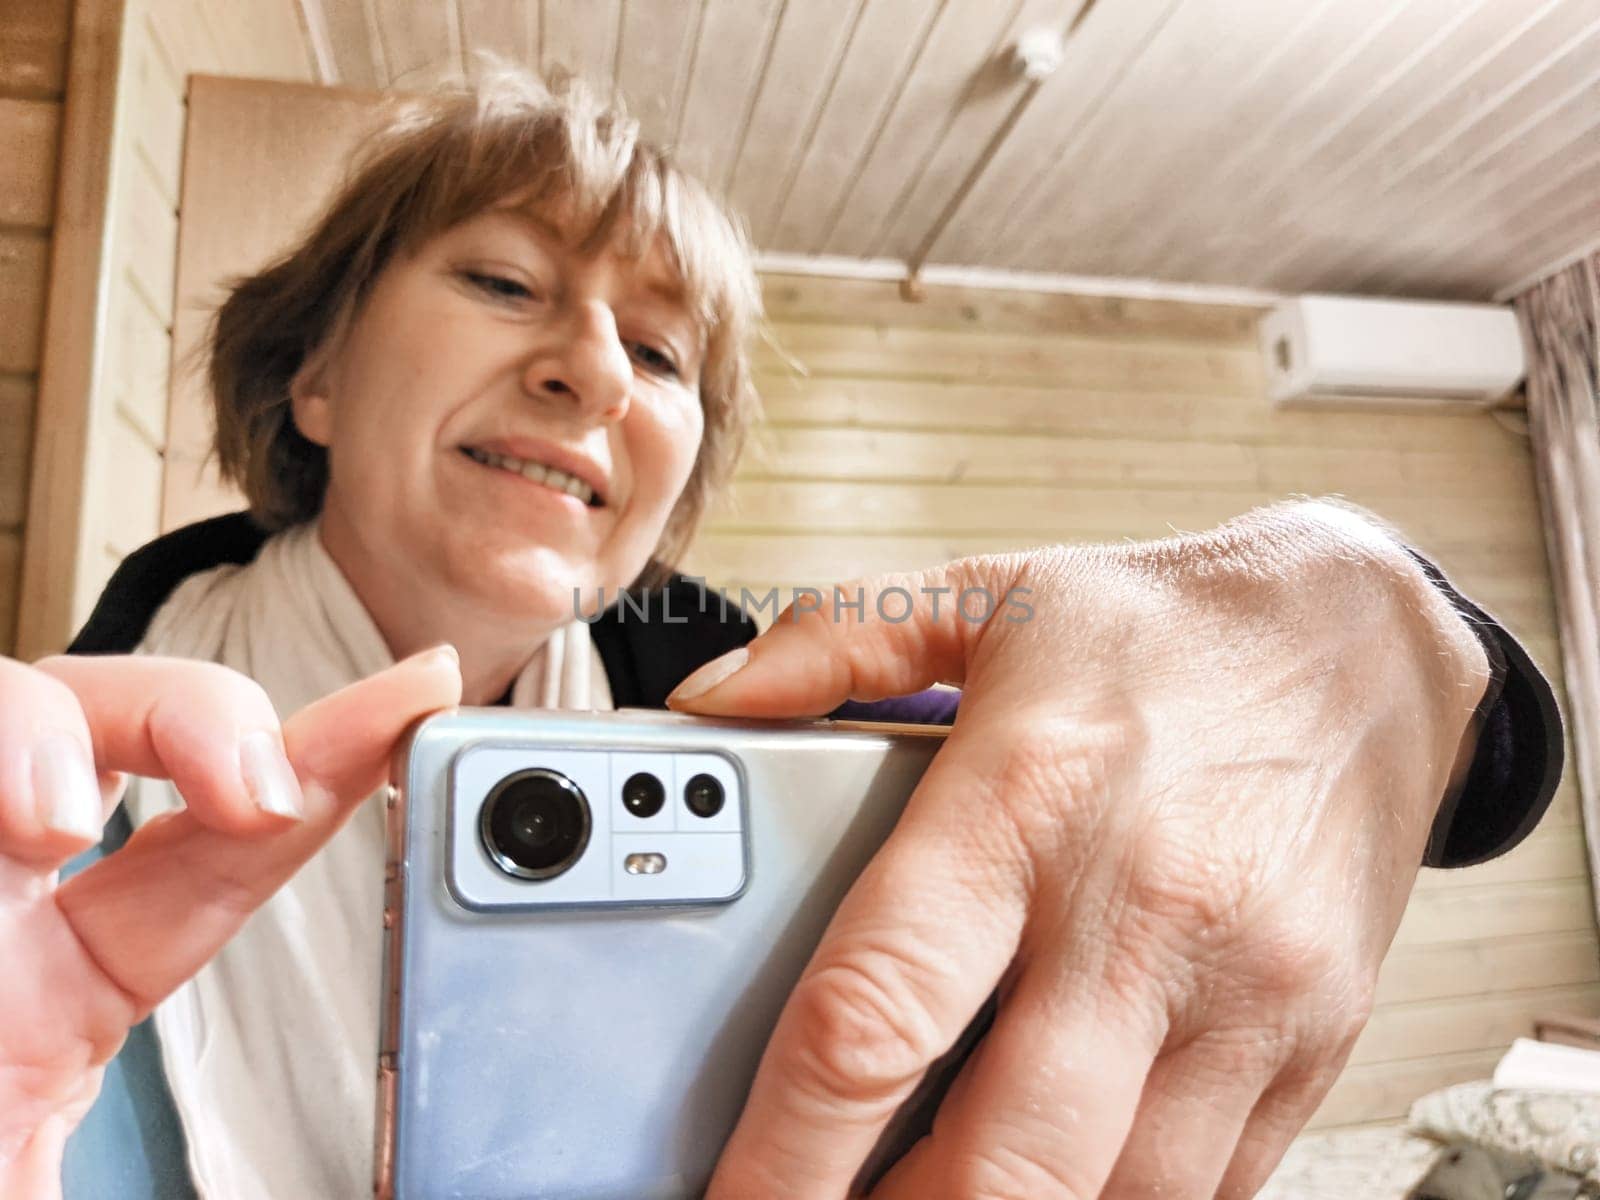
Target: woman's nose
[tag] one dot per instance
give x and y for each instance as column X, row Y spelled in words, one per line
column 590, row 365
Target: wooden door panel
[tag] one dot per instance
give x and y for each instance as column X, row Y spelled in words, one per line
column 260, row 160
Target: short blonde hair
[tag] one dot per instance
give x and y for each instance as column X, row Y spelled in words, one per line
column 446, row 157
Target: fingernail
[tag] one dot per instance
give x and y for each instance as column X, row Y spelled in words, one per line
column 714, row 672
column 268, row 777
column 66, row 787
column 112, row 785
column 444, row 652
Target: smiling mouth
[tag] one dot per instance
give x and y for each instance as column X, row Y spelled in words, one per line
column 538, row 472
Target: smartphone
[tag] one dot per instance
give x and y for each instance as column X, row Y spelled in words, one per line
column 592, row 923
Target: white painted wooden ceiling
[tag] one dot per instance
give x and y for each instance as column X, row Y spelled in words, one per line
column 1416, row 147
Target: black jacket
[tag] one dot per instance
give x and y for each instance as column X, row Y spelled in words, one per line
column 644, row 658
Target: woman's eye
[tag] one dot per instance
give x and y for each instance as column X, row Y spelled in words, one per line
column 498, row 286
column 655, row 360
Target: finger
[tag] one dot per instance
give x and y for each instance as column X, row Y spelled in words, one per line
column 51, row 803
column 210, row 730
column 154, row 912
column 1279, row 1115
column 1191, row 1114
column 908, row 959
column 1050, row 1098
column 889, row 637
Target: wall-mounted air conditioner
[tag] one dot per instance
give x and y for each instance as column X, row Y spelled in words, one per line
column 1354, row 351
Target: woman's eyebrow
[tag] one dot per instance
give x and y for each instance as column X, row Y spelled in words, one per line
column 667, row 289
column 535, row 229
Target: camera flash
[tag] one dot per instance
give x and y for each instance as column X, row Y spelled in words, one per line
column 645, row 864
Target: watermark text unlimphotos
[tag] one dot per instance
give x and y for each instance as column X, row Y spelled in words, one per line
column 893, row 605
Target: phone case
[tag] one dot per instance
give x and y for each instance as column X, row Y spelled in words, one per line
column 583, row 1051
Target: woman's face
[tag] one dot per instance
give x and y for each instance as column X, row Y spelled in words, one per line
column 507, row 419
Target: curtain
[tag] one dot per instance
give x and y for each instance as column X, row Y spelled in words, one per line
column 1560, row 317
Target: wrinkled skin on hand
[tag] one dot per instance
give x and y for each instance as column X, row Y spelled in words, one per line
column 1176, row 825
column 86, row 960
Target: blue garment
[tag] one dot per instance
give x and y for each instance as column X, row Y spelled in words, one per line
column 130, row 1144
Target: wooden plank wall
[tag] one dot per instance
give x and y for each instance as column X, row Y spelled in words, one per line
column 34, row 36
column 163, row 42
column 904, row 434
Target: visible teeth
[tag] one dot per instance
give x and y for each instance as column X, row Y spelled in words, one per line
column 562, row 482
column 537, row 472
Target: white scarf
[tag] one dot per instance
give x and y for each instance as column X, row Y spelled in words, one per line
column 271, row 1050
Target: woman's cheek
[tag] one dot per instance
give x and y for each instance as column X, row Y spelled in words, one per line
column 663, row 456
column 689, row 443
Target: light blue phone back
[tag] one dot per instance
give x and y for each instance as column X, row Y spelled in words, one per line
column 606, row 1052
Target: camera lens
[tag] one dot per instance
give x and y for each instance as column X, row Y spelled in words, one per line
column 703, row 795
column 643, row 794
column 535, row 824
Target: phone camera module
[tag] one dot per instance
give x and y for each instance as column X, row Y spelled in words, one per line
column 535, row 824
column 643, row 795
column 703, row 794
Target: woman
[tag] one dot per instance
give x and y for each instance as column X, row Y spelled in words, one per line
column 506, row 369
column 508, row 366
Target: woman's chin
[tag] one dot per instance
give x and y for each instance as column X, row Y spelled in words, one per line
column 541, row 585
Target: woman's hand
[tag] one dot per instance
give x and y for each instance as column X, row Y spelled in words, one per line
column 1176, row 824
column 85, row 961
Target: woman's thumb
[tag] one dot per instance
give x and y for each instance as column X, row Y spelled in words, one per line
column 885, row 637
